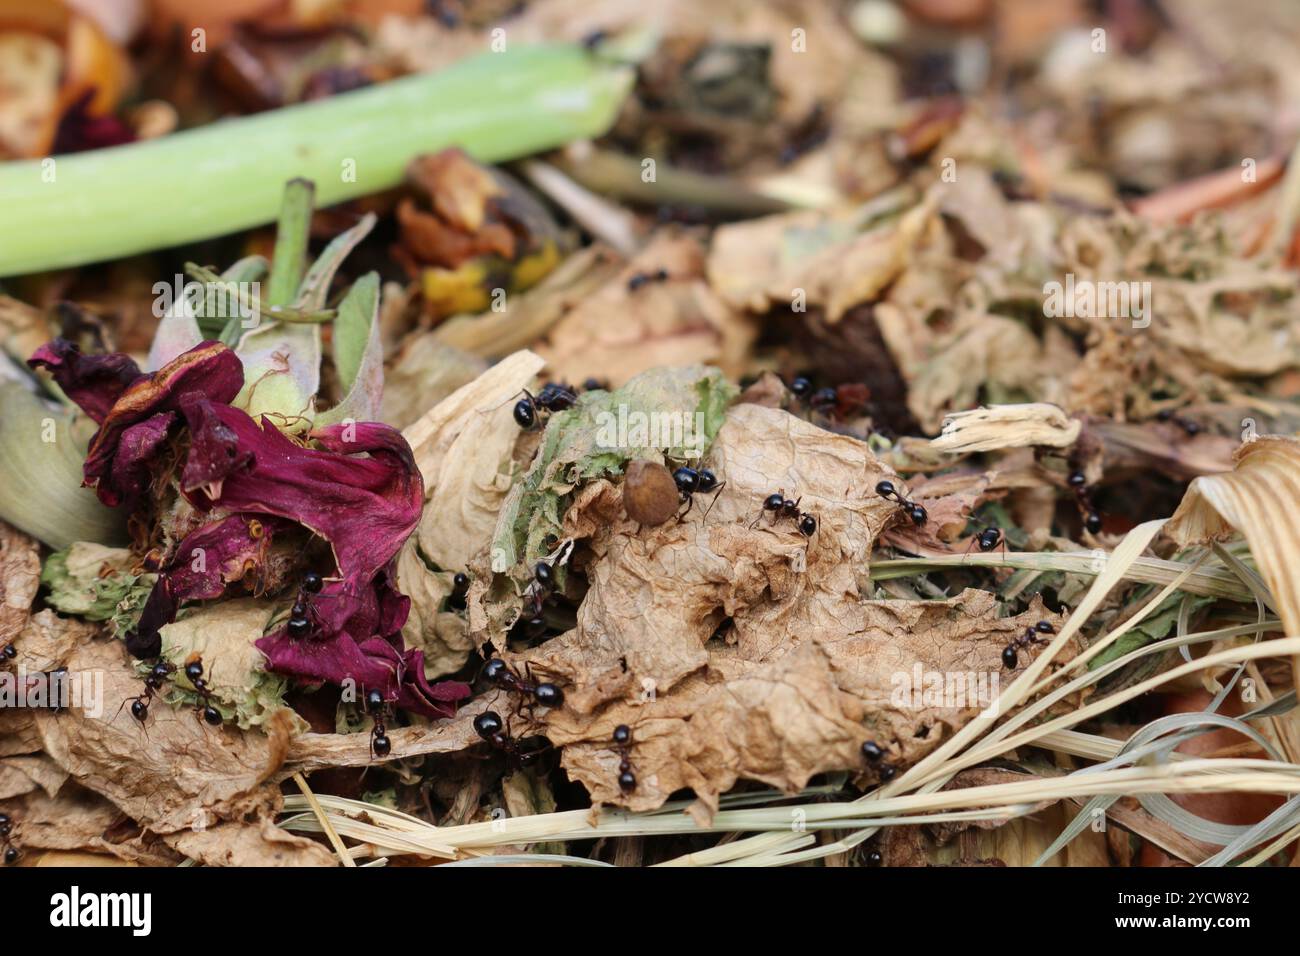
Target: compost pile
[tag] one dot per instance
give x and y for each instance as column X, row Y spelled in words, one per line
column 868, row 411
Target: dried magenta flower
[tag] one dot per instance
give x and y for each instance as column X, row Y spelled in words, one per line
column 359, row 490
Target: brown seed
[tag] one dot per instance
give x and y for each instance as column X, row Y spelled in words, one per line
column 650, row 495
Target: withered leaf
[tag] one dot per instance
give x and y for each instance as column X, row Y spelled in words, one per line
column 665, row 319
column 77, row 819
column 20, row 577
column 172, row 773
column 260, row 843
column 734, row 647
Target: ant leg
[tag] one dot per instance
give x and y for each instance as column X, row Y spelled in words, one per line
column 690, row 502
column 969, row 548
column 714, row 500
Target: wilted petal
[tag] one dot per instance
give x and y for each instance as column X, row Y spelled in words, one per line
column 94, row 382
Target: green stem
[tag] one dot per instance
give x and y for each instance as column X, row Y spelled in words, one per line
column 272, row 313
column 229, row 176
column 290, row 258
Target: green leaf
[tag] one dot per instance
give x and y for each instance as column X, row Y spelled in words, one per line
column 96, row 583
column 358, row 354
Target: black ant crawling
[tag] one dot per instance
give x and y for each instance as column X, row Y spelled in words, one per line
column 153, row 681
column 535, row 693
column 1091, row 517
column 1192, row 428
column 377, row 708
column 519, row 753
column 639, row 279
column 204, row 709
column 12, row 853
column 459, row 588
column 693, row 481
column 300, row 624
column 875, row 755
column 1031, row 636
column 553, row 397
column 917, row 513
column 8, row 652
column 779, row 506
column 987, row 540
column 623, row 745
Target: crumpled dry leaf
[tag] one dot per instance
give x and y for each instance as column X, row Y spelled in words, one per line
column 20, row 578
column 1259, row 498
column 172, row 773
column 1006, row 426
column 441, row 634
column 981, row 352
column 463, row 447
column 837, row 260
column 482, row 231
column 676, row 321
column 424, row 373
column 21, row 775
column 261, row 843
column 77, row 819
column 593, row 439
column 804, row 671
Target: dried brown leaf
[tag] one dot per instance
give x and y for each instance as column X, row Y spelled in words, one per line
column 172, row 773
column 662, row 323
column 20, row 578
column 807, row 667
column 261, row 843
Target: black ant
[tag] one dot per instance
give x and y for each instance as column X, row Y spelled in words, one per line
column 8, row 652
column 623, row 745
column 1031, row 636
column 299, row 622
column 543, row 693
column 1091, row 517
column 459, row 588
column 204, row 709
column 489, row 726
column 987, row 540
column 1192, row 428
column 875, row 755
column 153, row 682
column 380, row 745
column 639, row 279
column 779, row 506
column 831, row 401
column 537, row 593
column 12, row 853
column 885, row 488
column 692, row 481
column 553, row 397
